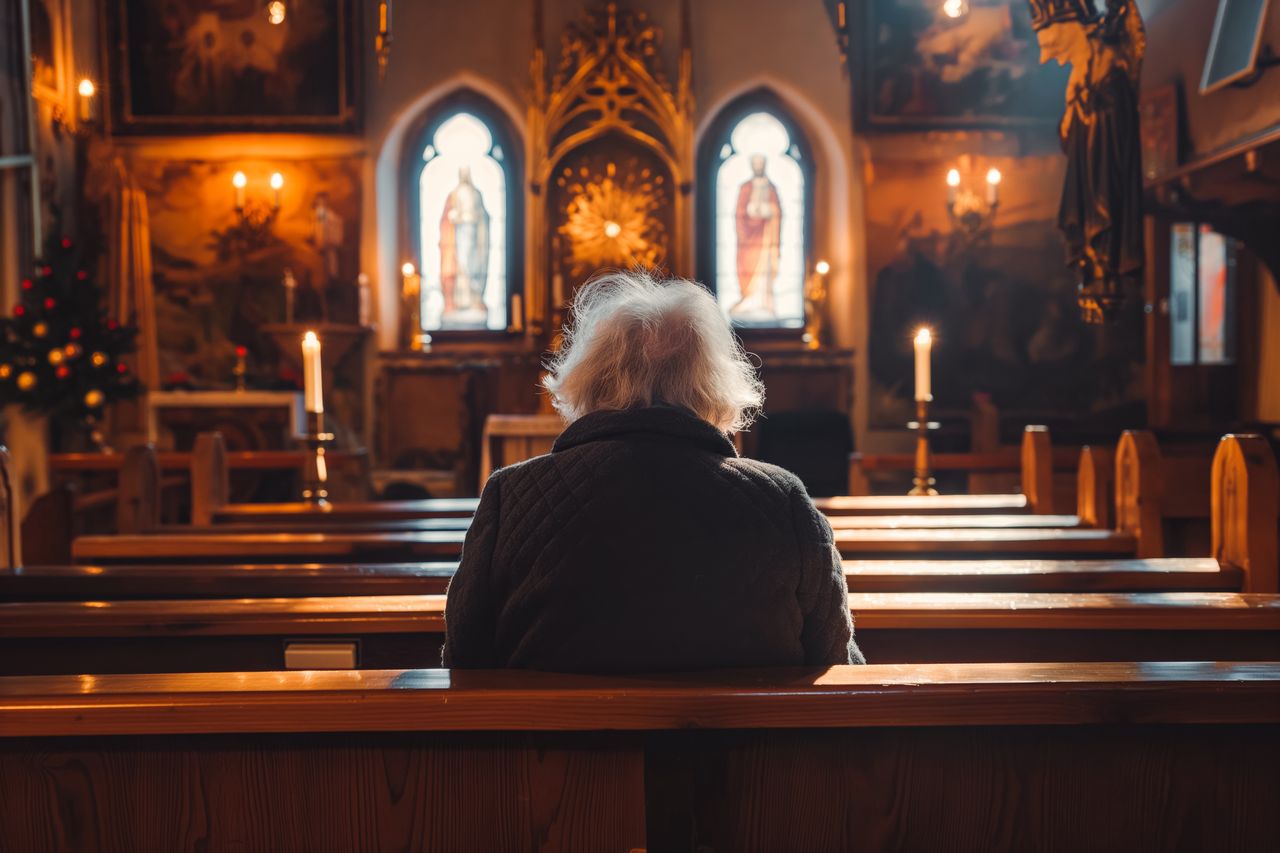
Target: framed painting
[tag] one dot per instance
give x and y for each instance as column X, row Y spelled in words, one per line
column 929, row 64
column 200, row 66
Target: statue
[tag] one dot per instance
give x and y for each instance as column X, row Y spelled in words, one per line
column 464, row 254
column 759, row 228
column 1101, row 211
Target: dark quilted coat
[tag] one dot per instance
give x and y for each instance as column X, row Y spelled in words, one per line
column 642, row 543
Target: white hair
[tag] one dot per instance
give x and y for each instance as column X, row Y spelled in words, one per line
column 634, row 340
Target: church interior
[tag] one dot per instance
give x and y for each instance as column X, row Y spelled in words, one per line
column 284, row 285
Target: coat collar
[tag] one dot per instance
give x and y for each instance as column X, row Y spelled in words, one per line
column 668, row 421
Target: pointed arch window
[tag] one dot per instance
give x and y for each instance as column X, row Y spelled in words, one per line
column 756, row 178
column 463, row 220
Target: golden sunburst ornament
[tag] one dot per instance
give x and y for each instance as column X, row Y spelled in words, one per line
column 609, row 219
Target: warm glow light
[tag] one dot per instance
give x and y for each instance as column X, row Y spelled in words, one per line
column 994, row 177
column 954, row 8
column 239, row 181
column 276, row 12
column 953, row 178
column 822, row 267
column 924, row 336
column 87, row 89
column 277, row 180
column 612, row 229
column 407, row 270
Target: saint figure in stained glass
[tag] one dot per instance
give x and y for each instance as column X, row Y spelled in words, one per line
column 464, row 253
column 759, row 230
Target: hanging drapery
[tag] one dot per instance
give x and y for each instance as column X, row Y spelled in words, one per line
column 132, row 294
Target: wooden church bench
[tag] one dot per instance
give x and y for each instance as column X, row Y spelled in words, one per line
column 971, row 543
column 1161, row 497
column 196, row 547
column 111, row 582
column 875, row 757
column 921, row 505
column 378, row 632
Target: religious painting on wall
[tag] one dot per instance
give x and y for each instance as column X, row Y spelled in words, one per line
column 183, row 66
column 463, row 207
column 952, row 63
column 613, row 210
column 760, row 223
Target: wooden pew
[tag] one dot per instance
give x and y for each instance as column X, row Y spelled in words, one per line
column 1035, row 461
column 508, row 439
column 1246, row 510
column 397, row 632
column 159, row 581
column 1095, row 487
column 223, row 547
column 1146, row 756
column 1155, row 490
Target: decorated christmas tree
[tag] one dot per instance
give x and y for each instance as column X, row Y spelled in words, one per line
column 60, row 353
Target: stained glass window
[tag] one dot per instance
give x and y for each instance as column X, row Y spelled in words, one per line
column 760, row 218
column 465, row 195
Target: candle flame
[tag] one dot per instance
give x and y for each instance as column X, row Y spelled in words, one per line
column 924, row 336
column 407, row 270
column 277, row 180
column 994, row 177
column 953, row 178
column 239, row 181
column 822, row 268
column 310, row 338
column 86, row 88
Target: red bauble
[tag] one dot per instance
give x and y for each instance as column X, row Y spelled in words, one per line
column 46, row 271
column 50, row 303
column 81, row 275
column 241, row 352
column 26, row 284
column 122, row 368
column 19, row 310
column 112, row 325
column 66, row 242
column 74, row 333
column 62, row 372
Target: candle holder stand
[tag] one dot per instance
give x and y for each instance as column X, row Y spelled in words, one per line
column 923, row 480
column 315, row 472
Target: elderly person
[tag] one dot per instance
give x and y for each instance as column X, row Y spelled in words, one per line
column 642, row 542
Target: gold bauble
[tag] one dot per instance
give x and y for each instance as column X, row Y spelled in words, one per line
column 40, row 330
column 71, row 350
column 93, row 398
column 55, row 357
column 26, row 380
column 98, row 359
column 6, row 371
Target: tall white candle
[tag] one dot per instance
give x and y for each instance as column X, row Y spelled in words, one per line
column 312, row 393
column 924, row 346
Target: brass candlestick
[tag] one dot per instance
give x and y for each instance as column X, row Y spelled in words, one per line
column 315, row 474
column 924, row 457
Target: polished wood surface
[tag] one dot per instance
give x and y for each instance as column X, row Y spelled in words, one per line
column 271, row 547
column 1218, row 611
column 920, row 505
column 945, row 522
column 1040, row 575
column 169, row 460
column 210, row 477
column 351, row 511
column 1246, row 509
column 979, row 543
column 1095, row 487
column 495, row 700
column 1037, row 469
column 10, row 516
column 267, row 580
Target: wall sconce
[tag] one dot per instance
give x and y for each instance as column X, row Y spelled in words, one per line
column 382, row 41
column 86, row 109
column 256, row 215
column 970, row 210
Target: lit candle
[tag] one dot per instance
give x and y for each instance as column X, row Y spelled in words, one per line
column 239, row 181
column 924, row 345
column 87, row 90
column 822, row 268
column 313, row 396
column 277, row 184
column 409, row 273
column 953, row 186
column 362, row 295
column 993, row 186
